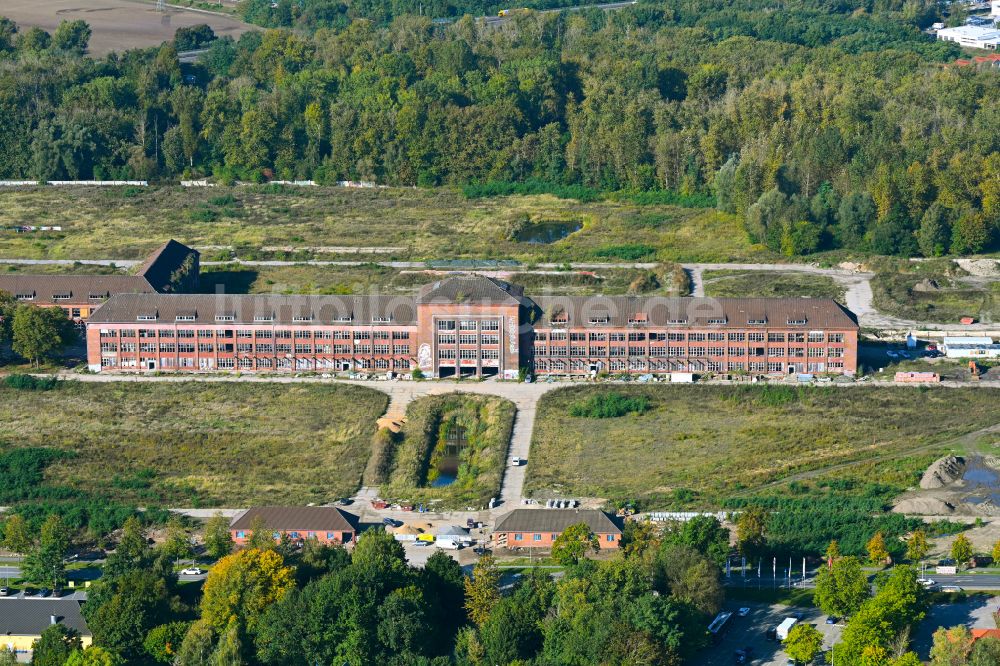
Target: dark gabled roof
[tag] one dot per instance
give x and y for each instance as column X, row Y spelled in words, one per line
column 32, row 616
column 471, row 289
column 45, row 288
column 556, row 520
column 160, row 266
column 299, row 518
column 256, row 310
column 661, row 311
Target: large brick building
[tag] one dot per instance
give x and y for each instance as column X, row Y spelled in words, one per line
column 172, row 267
column 471, row 325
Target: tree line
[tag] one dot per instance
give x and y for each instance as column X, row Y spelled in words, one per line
column 824, row 126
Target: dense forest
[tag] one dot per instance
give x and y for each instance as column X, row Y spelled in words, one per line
column 825, row 125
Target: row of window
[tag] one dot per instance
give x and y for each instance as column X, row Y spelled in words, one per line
column 640, row 336
column 330, row 536
column 248, row 348
column 773, row 352
column 538, row 537
column 251, row 363
column 470, row 354
column 449, row 339
column 652, row 365
column 468, row 324
column 260, row 334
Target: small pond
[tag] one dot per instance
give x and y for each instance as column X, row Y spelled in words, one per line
column 982, row 479
column 447, row 469
column 547, row 232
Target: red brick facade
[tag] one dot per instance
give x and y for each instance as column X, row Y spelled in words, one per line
column 476, row 326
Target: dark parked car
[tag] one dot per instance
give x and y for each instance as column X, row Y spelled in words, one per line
column 44, row 592
column 772, row 634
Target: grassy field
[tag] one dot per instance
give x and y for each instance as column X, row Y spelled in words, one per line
column 300, row 223
column 764, row 284
column 118, row 24
column 935, row 291
column 699, row 445
column 421, row 448
column 200, row 444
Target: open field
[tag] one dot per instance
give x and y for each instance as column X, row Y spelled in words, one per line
column 117, row 24
column 706, row 444
column 935, row 291
column 196, row 444
column 126, row 223
column 422, row 455
column 764, row 284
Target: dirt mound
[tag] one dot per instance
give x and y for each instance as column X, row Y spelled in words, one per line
column 924, row 506
column 926, row 285
column 980, row 267
column 943, row 472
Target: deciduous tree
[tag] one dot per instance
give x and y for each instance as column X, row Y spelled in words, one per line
column 218, row 540
column 841, row 588
column 573, row 543
column 243, row 586
column 877, row 552
column 482, row 590
column 917, row 546
column 40, row 333
column 804, row 642
column 961, row 550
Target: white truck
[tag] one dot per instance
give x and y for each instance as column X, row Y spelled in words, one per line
column 785, row 626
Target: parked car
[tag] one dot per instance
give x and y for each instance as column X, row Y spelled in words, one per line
column 388, row 522
column 771, row 634
column 422, row 544
column 743, row 612
column 831, row 619
column 29, row 592
column 4, row 591
column 193, row 571
column 743, row 655
column 44, row 592
column 950, row 588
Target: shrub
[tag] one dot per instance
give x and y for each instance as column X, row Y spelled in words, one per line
column 630, row 252
column 30, row 382
column 609, row 405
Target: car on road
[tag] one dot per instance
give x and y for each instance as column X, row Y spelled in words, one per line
column 517, row 461
column 950, row 588
column 928, row 583
column 193, row 571
column 743, row 612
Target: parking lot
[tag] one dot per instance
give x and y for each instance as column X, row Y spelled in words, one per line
column 751, row 631
column 974, row 612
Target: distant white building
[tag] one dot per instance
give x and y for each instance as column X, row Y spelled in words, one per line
column 972, row 36
column 995, row 9
column 970, row 347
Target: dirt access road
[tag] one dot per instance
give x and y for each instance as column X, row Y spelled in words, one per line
column 117, row 24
